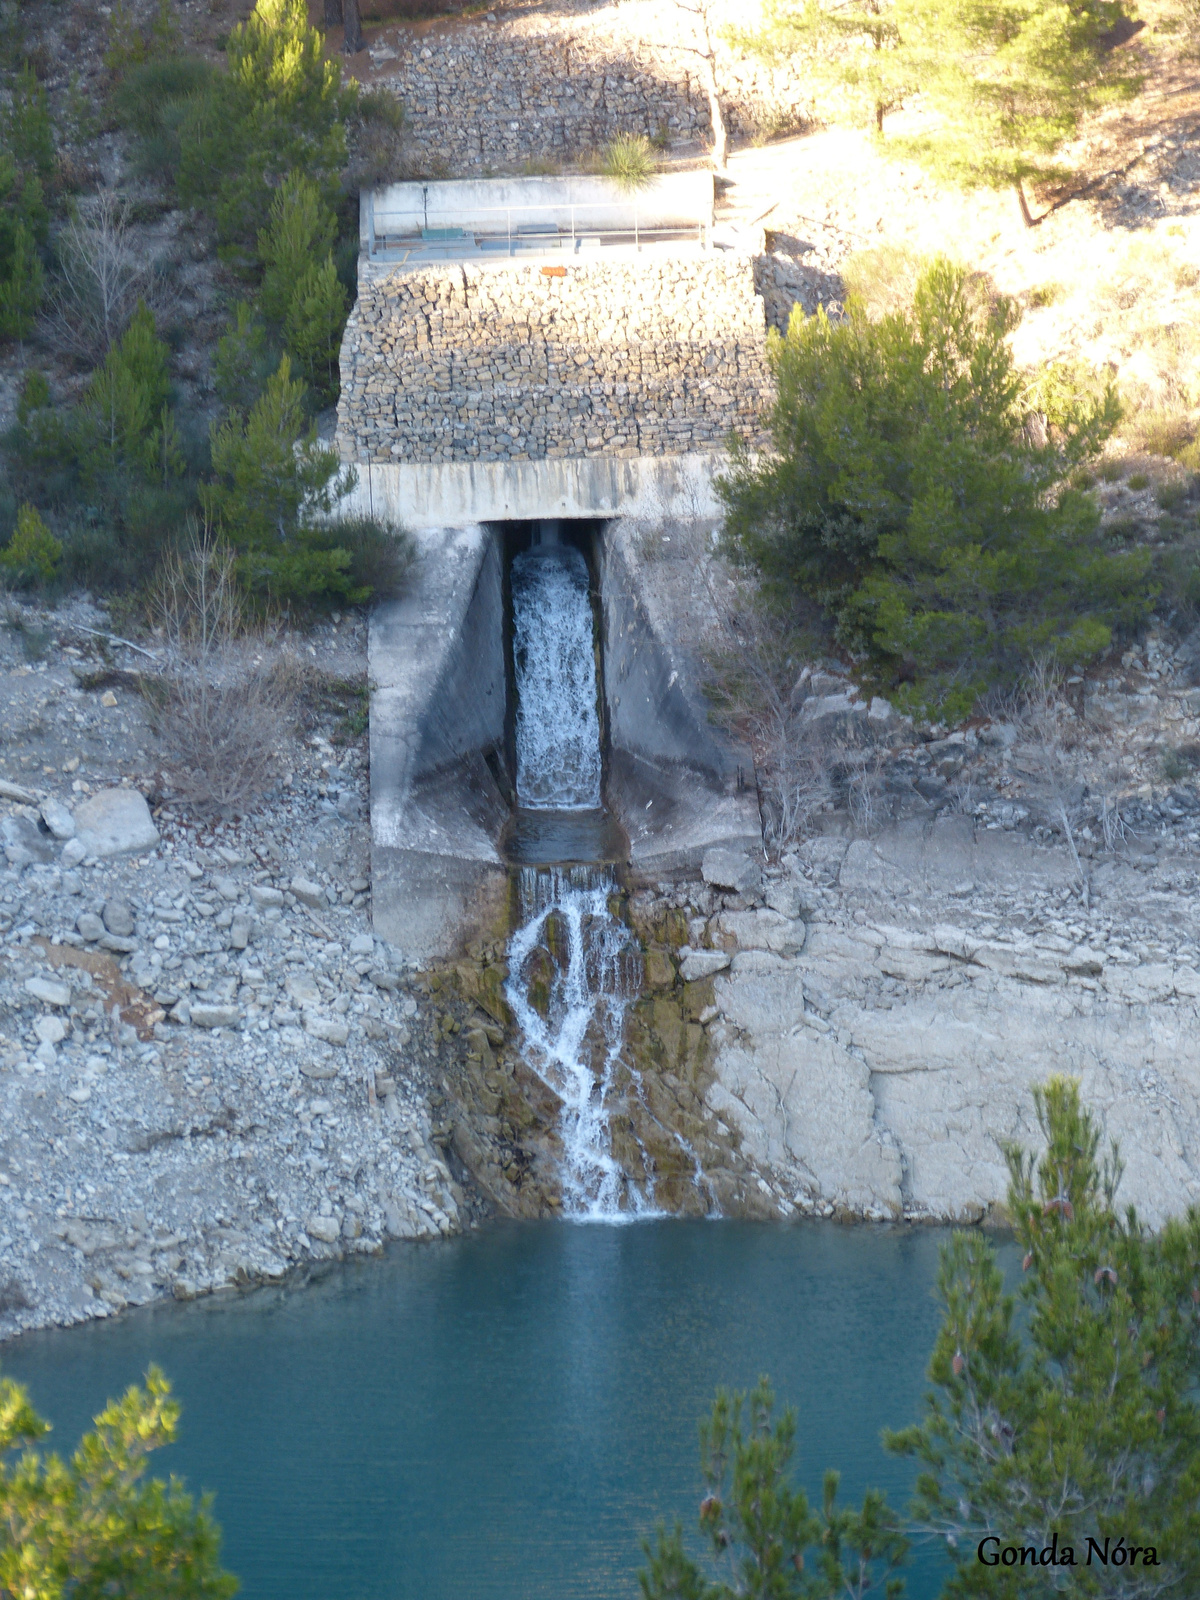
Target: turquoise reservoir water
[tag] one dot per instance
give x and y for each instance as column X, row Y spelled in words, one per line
column 502, row 1416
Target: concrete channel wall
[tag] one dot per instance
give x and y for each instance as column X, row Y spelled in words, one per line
column 458, row 493
column 678, row 784
column 495, row 205
column 439, row 697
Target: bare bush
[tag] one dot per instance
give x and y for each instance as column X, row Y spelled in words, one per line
column 752, row 671
column 103, row 271
column 1051, row 730
column 225, row 699
column 1114, row 824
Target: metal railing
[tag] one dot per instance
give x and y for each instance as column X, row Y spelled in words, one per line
column 442, row 230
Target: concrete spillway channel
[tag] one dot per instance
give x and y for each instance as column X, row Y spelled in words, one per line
column 537, row 750
column 445, row 827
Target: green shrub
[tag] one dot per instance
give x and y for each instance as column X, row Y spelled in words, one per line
column 33, row 554
column 1138, row 480
column 243, row 360
column 629, row 161
column 378, row 140
column 28, row 129
column 280, row 108
column 130, row 45
column 905, row 496
column 1162, row 432
column 1173, row 494
column 381, row 555
column 1177, row 764
column 313, row 330
column 299, row 233
column 26, row 166
column 152, row 100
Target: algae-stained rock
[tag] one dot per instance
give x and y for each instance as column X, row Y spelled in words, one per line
column 485, row 986
column 114, row 822
column 659, row 970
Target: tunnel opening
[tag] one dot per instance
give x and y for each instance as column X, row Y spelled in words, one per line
column 556, row 745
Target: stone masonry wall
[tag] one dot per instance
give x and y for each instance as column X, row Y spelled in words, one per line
column 490, row 95
column 506, row 362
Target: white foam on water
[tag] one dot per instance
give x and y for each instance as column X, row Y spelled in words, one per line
column 558, row 719
column 595, row 973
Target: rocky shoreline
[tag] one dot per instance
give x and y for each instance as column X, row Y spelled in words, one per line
column 200, row 1039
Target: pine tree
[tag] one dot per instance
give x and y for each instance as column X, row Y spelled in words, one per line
column 242, row 363
column 313, row 330
column 762, row 1531
column 26, row 166
column 853, row 47
column 1010, row 81
column 1085, row 1425
column 906, row 496
column 32, row 555
column 280, row 108
column 270, row 474
column 299, row 233
column 125, row 421
column 94, row 1525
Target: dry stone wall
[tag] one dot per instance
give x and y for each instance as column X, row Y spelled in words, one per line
column 465, row 363
column 483, row 95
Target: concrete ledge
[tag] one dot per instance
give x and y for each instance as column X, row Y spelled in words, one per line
column 450, row 494
column 436, row 663
column 493, row 205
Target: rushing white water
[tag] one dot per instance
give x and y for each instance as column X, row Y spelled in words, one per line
column 574, row 968
column 558, row 721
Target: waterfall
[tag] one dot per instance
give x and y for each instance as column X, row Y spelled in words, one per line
column 558, row 721
column 574, row 968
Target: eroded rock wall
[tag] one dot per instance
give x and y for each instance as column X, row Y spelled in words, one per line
column 883, row 1068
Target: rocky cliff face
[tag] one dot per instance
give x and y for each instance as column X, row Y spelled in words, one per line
column 947, row 969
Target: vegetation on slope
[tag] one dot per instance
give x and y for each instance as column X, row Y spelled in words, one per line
column 263, row 152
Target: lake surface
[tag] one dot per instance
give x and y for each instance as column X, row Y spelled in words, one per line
column 505, row 1415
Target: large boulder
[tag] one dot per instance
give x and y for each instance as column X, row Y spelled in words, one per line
column 731, row 870
column 114, row 822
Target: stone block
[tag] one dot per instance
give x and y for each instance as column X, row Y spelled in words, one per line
column 695, row 965
column 212, row 1016
column 48, row 991
column 327, row 1029
column 58, row 819
column 308, row 893
column 731, row 870
column 115, row 822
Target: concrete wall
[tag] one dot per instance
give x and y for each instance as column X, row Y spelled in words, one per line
column 437, row 673
column 679, row 785
column 671, row 200
column 454, row 494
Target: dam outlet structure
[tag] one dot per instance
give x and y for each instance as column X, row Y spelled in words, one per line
column 585, row 378
column 537, row 415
